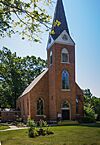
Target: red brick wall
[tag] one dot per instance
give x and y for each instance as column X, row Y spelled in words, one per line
column 28, row 102
column 49, row 88
column 81, row 100
column 39, row 91
column 56, row 94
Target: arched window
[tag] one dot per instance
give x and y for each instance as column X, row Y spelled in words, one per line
column 65, row 105
column 64, row 55
column 40, row 106
column 50, row 57
column 65, row 80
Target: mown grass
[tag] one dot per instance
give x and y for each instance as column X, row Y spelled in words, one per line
column 63, row 135
column 3, row 127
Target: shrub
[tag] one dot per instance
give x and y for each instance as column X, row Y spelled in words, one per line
column 32, row 132
column 89, row 112
column 45, row 124
column 48, row 131
column 42, row 131
column 87, row 119
column 31, row 123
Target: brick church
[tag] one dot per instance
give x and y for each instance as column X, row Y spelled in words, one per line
column 55, row 93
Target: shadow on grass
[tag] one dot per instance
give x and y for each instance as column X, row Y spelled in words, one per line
column 91, row 125
column 96, row 125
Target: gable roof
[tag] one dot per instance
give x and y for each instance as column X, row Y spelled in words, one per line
column 60, row 16
column 34, row 82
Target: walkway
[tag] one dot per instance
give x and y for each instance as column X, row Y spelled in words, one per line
column 14, row 128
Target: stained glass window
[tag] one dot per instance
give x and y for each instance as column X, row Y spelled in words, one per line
column 65, row 80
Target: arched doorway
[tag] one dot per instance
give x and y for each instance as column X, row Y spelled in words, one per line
column 65, row 111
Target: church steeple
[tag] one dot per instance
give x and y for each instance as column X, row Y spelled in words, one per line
column 60, row 33
column 60, row 16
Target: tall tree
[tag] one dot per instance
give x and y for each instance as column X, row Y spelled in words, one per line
column 15, row 75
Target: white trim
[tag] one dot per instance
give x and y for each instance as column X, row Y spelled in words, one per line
column 65, row 90
column 51, row 57
column 64, row 51
column 65, row 62
column 59, row 40
column 51, row 43
column 65, row 108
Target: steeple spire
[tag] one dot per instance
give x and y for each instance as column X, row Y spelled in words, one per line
column 60, row 33
column 60, row 16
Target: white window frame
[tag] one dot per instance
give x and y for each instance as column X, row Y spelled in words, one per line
column 51, row 59
column 64, row 51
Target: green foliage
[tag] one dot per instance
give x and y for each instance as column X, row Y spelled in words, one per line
column 16, row 74
column 3, row 127
column 91, row 105
column 31, row 123
column 42, row 123
column 42, row 130
column 49, row 131
column 32, row 132
column 63, row 135
column 89, row 111
column 87, row 119
column 24, row 17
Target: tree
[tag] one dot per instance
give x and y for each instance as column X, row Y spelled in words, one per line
column 96, row 106
column 25, row 17
column 91, row 104
column 16, row 73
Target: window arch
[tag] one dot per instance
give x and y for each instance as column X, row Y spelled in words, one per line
column 40, row 106
column 65, row 105
column 50, row 57
column 65, row 80
column 64, row 56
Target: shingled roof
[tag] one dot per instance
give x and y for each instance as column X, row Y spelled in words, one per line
column 34, row 82
column 60, row 16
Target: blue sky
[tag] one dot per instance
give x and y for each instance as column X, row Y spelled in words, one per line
column 83, row 18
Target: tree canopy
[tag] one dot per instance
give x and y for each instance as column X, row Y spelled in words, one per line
column 25, row 17
column 16, row 73
column 91, row 104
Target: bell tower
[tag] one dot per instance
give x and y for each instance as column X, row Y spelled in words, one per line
column 61, row 65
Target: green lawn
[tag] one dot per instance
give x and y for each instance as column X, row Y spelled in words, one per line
column 2, row 127
column 63, row 135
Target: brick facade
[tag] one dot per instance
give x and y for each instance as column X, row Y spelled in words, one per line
column 49, row 89
column 48, row 85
